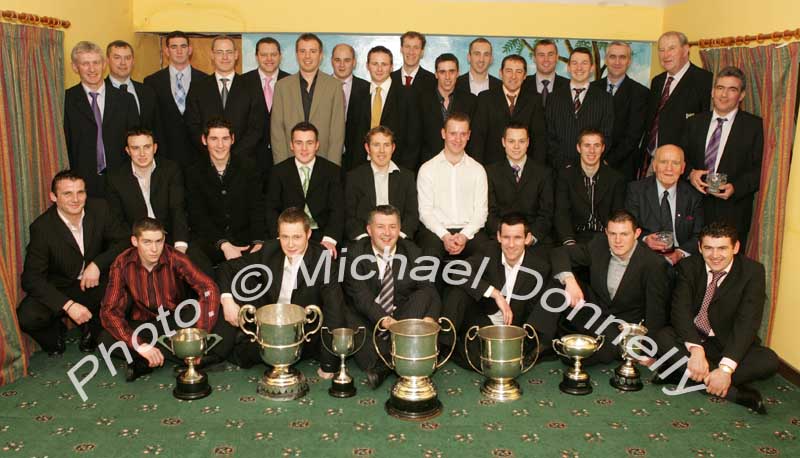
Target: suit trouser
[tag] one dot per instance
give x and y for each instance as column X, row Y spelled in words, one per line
column 44, row 324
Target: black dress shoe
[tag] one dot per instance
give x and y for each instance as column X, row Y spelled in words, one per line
column 137, row 369
column 376, row 377
column 750, row 398
column 673, row 378
column 88, row 342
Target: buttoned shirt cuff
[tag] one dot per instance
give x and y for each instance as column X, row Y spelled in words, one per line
column 364, row 235
column 489, row 291
column 225, row 296
column 563, row 276
column 686, row 254
column 440, row 232
column 257, row 242
column 568, row 242
column 403, row 234
column 690, row 345
column 219, row 243
column 728, row 362
column 329, row 240
column 181, row 245
column 468, row 233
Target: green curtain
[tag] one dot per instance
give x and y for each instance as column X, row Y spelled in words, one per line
column 32, row 150
column 772, row 77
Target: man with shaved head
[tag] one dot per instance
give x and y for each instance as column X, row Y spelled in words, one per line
column 343, row 61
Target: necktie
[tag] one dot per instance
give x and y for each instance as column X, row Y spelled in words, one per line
column 386, row 297
column 577, row 100
column 545, row 91
column 306, row 180
column 713, row 146
column 611, row 87
column 268, row 92
column 123, row 87
column 666, row 213
column 651, row 146
column 224, row 91
column 180, row 93
column 344, row 93
column 511, row 105
column 517, row 169
column 701, row 321
column 408, row 80
column 377, row 108
column 100, row 146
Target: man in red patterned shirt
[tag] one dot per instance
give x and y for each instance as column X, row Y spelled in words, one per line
column 147, row 285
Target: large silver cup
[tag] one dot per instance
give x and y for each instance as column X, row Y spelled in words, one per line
column 502, row 358
column 343, row 345
column 626, row 376
column 280, row 331
column 190, row 345
column 577, row 347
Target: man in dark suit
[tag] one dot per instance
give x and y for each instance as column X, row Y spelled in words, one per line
column 224, row 198
column 356, row 91
column 545, row 81
column 120, row 65
column 630, row 105
column 380, row 182
column 96, row 118
column 311, row 183
column 496, row 108
column 224, row 94
column 716, row 312
column 411, row 74
column 171, row 85
column 574, row 108
column 733, row 146
column 437, row 105
column 292, row 260
column 376, row 297
column 389, row 104
column 505, row 282
column 261, row 81
column 478, row 79
column 587, row 193
column 677, row 94
column 666, row 203
column 71, row 246
column 628, row 283
column 520, row 185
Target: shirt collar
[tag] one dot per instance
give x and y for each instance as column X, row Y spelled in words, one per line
column 617, row 84
column 310, row 165
column 101, row 91
column 727, row 269
column 573, row 86
column 385, row 86
column 630, row 255
column 131, row 256
column 443, row 158
column 288, row 264
column 219, row 76
column 661, row 189
column 413, row 73
column 507, row 93
column 174, row 71
column 730, row 116
column 347, row 81
column 148, row 172
column 682, row 71
column 116, row 83
column 66, row 221
column 379, row 254
column 392, row 168
column 505, row 264
column 521, row 163
column 263, row 75
column 552, row 79
column 472, row 78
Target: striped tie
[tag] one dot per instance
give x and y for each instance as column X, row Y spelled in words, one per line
column 713, row 146
column 180, row 93
column 577, row 100
column 386, row 297
column 306, row 181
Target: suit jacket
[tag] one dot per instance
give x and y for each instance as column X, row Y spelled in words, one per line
column 462, row 83
column 263, row 151
column 425, row 81
column 559, row 82
column 242, row 110
column 324, row 196
column 432, row 122
column 127, row 204
column 327, row 115
column 630, row 106
column 533, row 196
column 354, row 152
column 401, row 114
column 644, row 203
column 80, row 130
column 53, row 259
column 735, row 310
column 362, row 293
column 174, row 142
column 492, row 117
column 564, row 126
column 360, row 199
column 691, row 96
column 741, row 161
column 573, row 205
column 149, row 115
column 643, row 292
column 229, row 209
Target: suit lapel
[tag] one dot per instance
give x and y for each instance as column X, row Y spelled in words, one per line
column 729, row 281
column 109, row 104
column 66, row 234
column 390, row 101
column 276, row 264
column 633, row 266
column 394, row 187
column 651, row 194
column 735, row 137
column 602, row 259
column 89, row 229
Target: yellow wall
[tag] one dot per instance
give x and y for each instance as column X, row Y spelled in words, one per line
column 720, row 18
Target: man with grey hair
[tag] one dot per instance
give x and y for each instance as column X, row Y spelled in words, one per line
column 96, row 118
column 675, row 95
column 630, row 105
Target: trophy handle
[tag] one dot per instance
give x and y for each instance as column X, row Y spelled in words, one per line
column 162, row 340
column 535, row 336
column 216, row 339
column 247, row 314
column 601, row 339
column 363, row 330
column 452, row 329
column 474, row 331
column 316, row 314
column 556, row 344
column 375, row 343
column 321, row 338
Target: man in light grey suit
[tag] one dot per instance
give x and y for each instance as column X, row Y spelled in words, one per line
column 312, row 96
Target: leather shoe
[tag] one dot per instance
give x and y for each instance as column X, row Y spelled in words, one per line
column 750, row 398
column 137, row 369
column 672, row 379
column 59, row 349
column 87, row 343
column 376, row 377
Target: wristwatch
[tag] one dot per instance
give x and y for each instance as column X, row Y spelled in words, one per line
column 727, row 369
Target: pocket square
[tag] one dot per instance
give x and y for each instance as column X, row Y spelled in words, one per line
column 689, row 115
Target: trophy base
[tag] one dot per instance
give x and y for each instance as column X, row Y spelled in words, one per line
column 190, row 391
column 575, row 387
column 282, row 384
column 342, row 390
column 626, row 383
column 413, row 410
column 501, row 390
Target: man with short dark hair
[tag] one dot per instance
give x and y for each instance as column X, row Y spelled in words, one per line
column 411, row 74
column 478, row 79
column 545, row 81
column 716, row 312
column 71, row 246
column 628, row 283
column 309, row 96
column 120, row 66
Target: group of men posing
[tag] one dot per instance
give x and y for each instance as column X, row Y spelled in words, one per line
column 288, row 171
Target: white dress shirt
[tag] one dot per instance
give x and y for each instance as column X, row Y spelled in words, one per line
column 413, row 75
column 452, row 196
column 582, row 95
column 515, row 94
column 382, row 182
column 131, row 90
column 385, row 86
column 289, row 279
column 310, row 166
column 229, row 83
column 77, row 233
column 476, row 86
column 726, row 131
column 709, row 276
column 511, row 280
column 101, row 97
column 676, row 78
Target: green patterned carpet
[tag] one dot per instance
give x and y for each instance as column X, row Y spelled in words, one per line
column 43, row 416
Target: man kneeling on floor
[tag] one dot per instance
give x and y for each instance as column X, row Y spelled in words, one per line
column 145, row 287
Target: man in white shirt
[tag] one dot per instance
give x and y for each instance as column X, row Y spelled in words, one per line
column 452, row 189
column 478, row 79
column 411, row 74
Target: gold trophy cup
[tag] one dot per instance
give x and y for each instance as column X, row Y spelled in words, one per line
column 577, row 347
column 343, row 345
column 190, row 344
column 502, row 358
column 626, row 376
